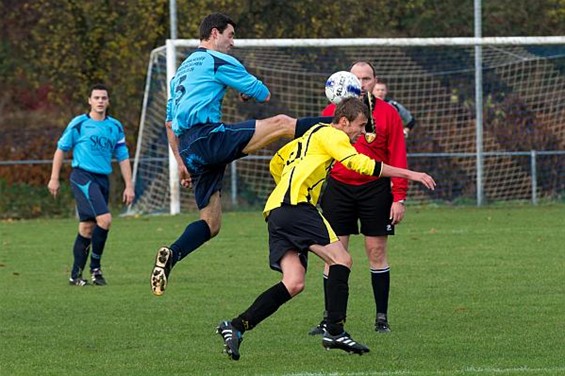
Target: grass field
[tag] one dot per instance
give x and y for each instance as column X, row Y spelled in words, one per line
column 474, row 292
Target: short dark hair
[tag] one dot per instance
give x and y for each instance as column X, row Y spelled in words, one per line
column 218, row 21
column 350, row 108
column 98, row 86
column 366, row 63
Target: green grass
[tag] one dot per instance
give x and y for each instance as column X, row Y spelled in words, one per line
column 474, row 292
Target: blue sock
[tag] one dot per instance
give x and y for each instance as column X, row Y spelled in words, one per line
column 80, row 253
column 99, row 236
column 194, row 235
column 303, row 124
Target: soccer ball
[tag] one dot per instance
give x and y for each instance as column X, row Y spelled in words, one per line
column 341, row 85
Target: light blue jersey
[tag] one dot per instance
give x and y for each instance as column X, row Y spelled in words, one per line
column 94, row 142
column 199, row 86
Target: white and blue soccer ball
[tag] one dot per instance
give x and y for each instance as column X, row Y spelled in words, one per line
column 341, row 85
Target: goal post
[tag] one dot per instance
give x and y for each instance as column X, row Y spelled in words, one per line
column 433, row 77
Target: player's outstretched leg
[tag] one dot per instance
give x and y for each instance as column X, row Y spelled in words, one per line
column 343, row 342
column 232, row 339
column 161, row 270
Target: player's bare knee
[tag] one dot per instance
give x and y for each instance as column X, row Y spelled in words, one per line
column 377, row 255
column 289, row 124
column 104, row 221
column 284, row 124
column 344, row 259
column 85, row 229
column 294, row 287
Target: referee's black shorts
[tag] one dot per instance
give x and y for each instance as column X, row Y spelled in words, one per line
column 296, row 227
column 346, row 205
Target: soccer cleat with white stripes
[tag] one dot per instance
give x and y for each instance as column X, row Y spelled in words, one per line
column 78, row 282
column 343, row 342
column 232, row 339
column 161, row 270
column 97, row 277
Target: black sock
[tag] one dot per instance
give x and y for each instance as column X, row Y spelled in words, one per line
column 264, row 306
column 303, row 124
column 194, row 235
column 338, row 294
column 380, row 279
column 99, row 236
column 80, row 254
column 325, row 281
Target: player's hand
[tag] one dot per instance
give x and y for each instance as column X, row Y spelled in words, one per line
column 128, row 196
column 244, row 97
column 426, row 180
column 184, row 176
column 53, row 187
column 397, row 212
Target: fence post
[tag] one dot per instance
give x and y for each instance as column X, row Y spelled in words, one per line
column 533, row 172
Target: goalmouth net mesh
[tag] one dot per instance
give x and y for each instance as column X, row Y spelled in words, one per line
column 524, row 110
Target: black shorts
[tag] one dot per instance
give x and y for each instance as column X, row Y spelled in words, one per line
column 296, row 227
column 345, row 205
column 91, row 193
column 206, row 149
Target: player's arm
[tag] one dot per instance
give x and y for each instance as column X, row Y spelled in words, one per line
column 54, row 183
column 184, row 175
column 236, row 76
column 121, row 153
column 338, row 146
column 420, row 177
column 129, row 192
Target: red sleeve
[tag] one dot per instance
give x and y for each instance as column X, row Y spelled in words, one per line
column 397, row 151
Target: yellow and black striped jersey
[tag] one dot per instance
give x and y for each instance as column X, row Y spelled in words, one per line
column 301, row 166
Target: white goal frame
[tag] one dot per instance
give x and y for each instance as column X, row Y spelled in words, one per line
column 171, row 45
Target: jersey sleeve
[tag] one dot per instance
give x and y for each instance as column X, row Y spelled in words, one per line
column 68, row 138
column 121, row 151
column 236, row 76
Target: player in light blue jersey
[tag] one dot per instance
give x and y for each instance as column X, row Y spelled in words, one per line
column 94, row 138
column 202, row 143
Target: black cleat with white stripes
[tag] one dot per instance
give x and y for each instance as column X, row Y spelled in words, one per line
column 232, row 339
column 343, row 342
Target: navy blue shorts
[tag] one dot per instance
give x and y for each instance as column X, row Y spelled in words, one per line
column 296, row 227
column 345, row 205
column 91, row 193
column 206, row 149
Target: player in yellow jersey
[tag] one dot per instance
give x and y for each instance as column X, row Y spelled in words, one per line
column 296, row 226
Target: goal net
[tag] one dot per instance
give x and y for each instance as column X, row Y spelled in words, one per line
column 523, row 130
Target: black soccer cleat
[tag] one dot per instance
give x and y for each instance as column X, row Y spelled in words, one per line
column 78, row 282
column 161, row 270
column 318, row 329
column 97, row 277
column 343, row 342
column 232, row 339
column 381, row 324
